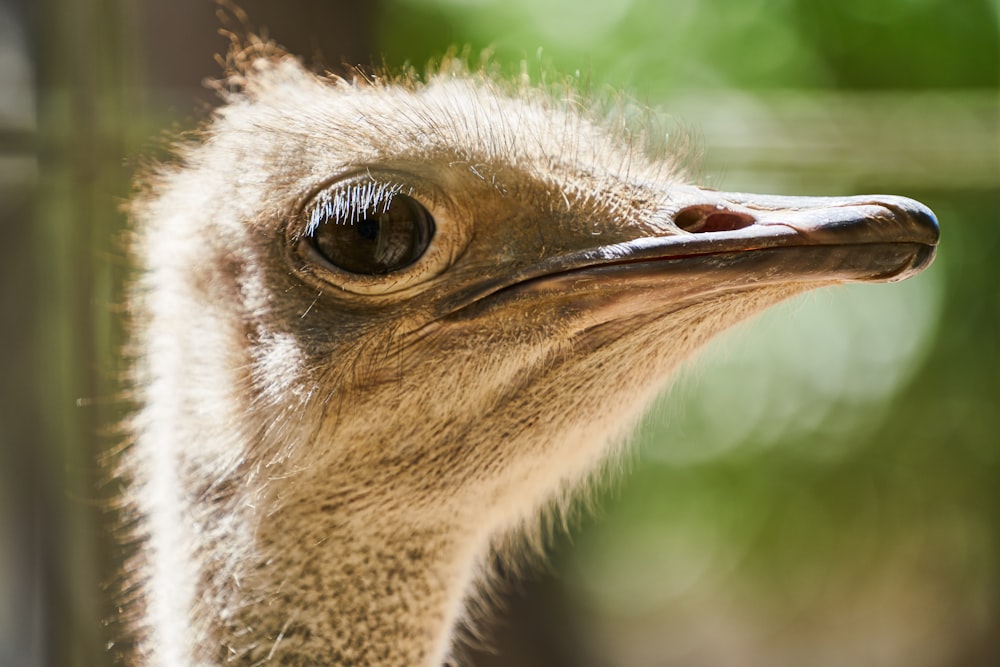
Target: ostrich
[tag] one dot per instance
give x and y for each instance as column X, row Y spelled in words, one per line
column 385, row 324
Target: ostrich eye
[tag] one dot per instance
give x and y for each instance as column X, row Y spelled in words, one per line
column 384, row 234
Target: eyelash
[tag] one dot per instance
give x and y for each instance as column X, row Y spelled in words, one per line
column 348, row 203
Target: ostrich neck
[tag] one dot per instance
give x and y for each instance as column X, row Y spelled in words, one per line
column 321, row 590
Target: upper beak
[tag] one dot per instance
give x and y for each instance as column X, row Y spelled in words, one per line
column 879, row 237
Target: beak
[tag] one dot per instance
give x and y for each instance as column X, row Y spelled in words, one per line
column 760, row 239
column 714, row 243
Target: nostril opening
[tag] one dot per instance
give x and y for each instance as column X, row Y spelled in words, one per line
column 707, row 218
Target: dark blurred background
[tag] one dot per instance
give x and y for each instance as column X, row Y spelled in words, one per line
column 823, row 488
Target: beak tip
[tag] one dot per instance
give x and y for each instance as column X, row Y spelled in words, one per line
column 924, row 222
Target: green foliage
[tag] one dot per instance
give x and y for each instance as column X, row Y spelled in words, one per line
column 660, row 46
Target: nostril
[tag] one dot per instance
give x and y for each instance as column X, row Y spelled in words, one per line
column 708, row 218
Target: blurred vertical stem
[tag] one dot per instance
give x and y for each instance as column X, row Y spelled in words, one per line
column 85, row 79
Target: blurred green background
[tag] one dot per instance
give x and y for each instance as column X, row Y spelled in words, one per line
column 822, row 488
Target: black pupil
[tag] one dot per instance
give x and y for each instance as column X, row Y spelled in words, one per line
column 378, row 241
column 368, row 229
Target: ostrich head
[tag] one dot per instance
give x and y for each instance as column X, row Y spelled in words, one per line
column 382, row 324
